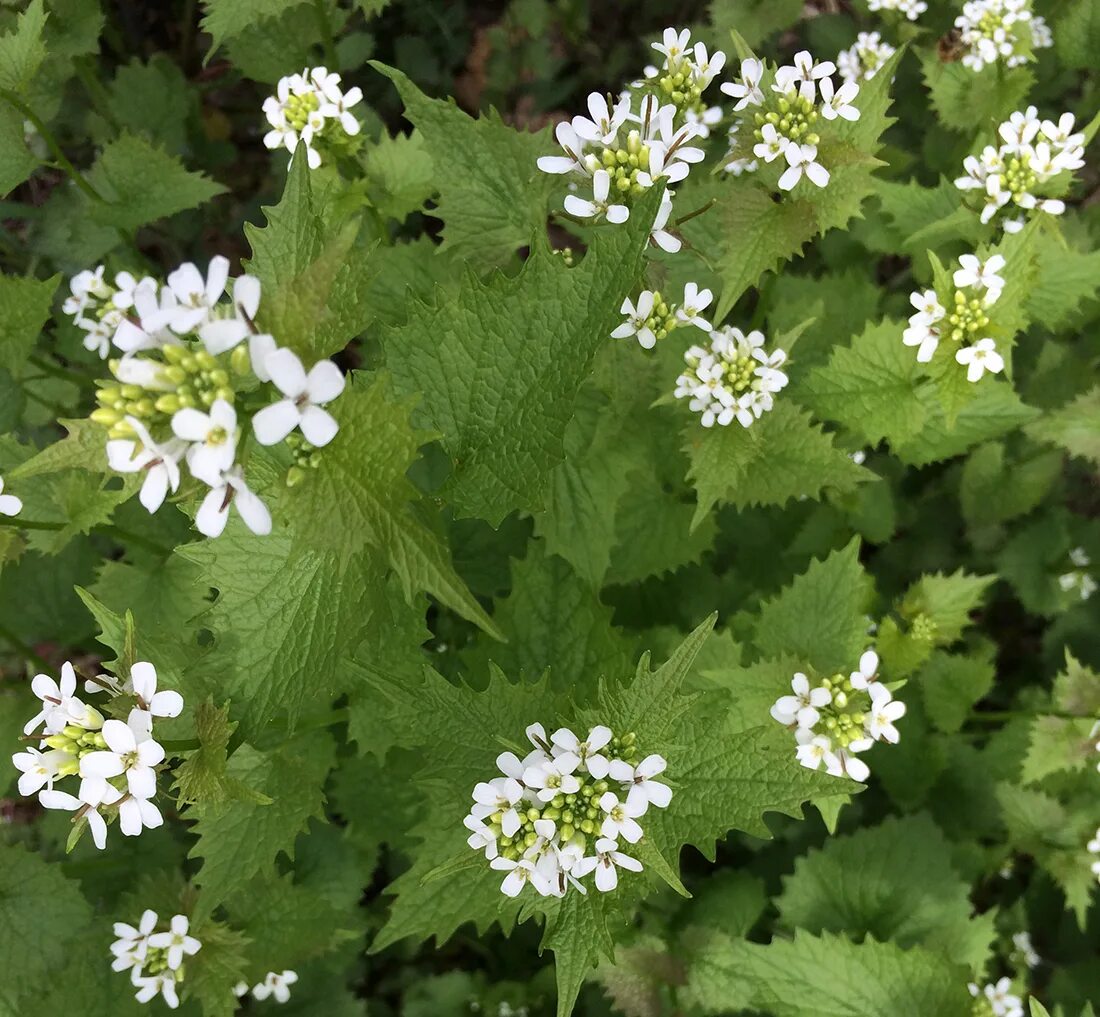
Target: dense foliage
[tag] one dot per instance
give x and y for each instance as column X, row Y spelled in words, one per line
column 619, row 541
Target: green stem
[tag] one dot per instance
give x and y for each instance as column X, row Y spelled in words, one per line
column 327, row 40
column 101, row 101
column 119, row 534
column 23, row 649
column 54, row 408
column 73, row 173
column 48, row 367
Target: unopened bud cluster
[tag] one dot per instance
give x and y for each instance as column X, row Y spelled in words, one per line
column 736, row 378
column 312, row 110
column 965, row 321
column 188, row 380
column 641, row 140
column 155, row 959
column 840, row 717
column 1006, row 31
column 1025, row 174
column 787, row 111
column 556, row 816
column 116, row 762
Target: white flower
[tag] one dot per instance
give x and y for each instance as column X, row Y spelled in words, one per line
column 605, row 120
column 621, row 817
column 1019, row 131
column 673, row 44
column 665, row 240
column 604, row 863
column 838, row 103
column 60, row 707
column 599, row 205
column 981, row 275
column 817, row 752
column 10, row 505
column 805, row 72
column 125, row 754
column 137, row 814
column 773, row 144
column 802, row 159
column 213, row 438
column 306, row 394
column 84, row 809
column 979, row 358
column 923, row 336
column 38, row 769
column 277, row 984
column 520, row 873
column 176, row 941
column 221, row 334
column 337, row 103
column 1061, row 133
column 143, row 683
column 499, row 795
column 1022, row 942
column 588, row 751
column 885, row 710
column 1001, row 1001
column 747, row 91
column 149, row 986
column 846, row 764
column 481, row 837
column 695, row 301
column 642, row 789
column 553, row 777
column 159, row 460
column 213, row 513
column 929, row 308
column 867, row 672
column 573, row 146
column 802, row 707
column 637, row 316
column 196, row 296
column 132, row 944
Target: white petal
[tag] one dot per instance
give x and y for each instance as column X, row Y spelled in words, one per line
column 212, row 517
column 254, row 512
column 318, row 426
column 287, row 373
column 273, row 423
column 324, row 382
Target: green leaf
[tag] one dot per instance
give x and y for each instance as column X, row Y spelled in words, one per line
column 400, row 175
column 24, row 309
column 241, row 839
column 492, row 196
column 946, row 601
column 153, row 99
column 1076, row 37
column 23, row 49
column 202, row 776
column 967, row 101
column 895, row 882
column 784, row 455
column 754, row 20
column 1065, row 280
column 141, row 183
column 1074, row 427
column 43, row 917
column 951, row 685
column 216, row 968
column 284, row 621
column 17, row 161
column 500, row 365
column 552, row 621
column 1058, row 745
column 315, row 273
column 828, row 977
column 927, row 217
column 366, row 500
column 1077, row 689
column 82, row 448
column 993, row 491
column 820, row 618
column 871, row 387
column 224, row 19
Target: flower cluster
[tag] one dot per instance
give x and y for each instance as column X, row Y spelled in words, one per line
column 557, row 815
column 1021, row 942
column 1025, row 173
column 735, row 379
column 840, row 717
column 311, row 109
column 177, row 392
column 276, row 985
column 978, row 287
column 10, row 505
column 1005, row 30
column 650, row 317
column 1093, row 848
column 115, row 760
column 626, row 146
column 1078, row 579
column 788, row 115
column 154, row 959
column 912, row 9
column 861, row 61
column 997, row 1000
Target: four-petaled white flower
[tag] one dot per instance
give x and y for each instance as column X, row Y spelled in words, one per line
column 637, row 320
column 38, row 769
column 838, row 102
column 520, row 873
column 867, row 672
column 221, row 334
column 582, row 208
column 160, row 461
column 817, row 752
column 979, row 358
column 604, row 863
column 306, row 395
column 605, row 119
column 694, row 303
column 60, row 706
column 673, row 44
column 143, row 683
column 773, row 144
column 802, row 707
column 164, row 984
column 125, row 754
column 213, row 513
column 499, row 795
column 884, row 711
column 663, row 238
column 621, row 818
column 132, row 945
column 553, row 777
column 276, row 983
column 88, row 810
column 643, row 789
column 805, row 72
column 747, row 91
column 481, row 837
column 213, row 438
column 981, row 275
column 588, row 751
column 929, row 308
column 196, row 296
column 176, row 941
column 802, row 159
column 10, row 505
